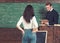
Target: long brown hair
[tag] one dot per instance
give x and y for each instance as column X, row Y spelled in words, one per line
column 28, row 13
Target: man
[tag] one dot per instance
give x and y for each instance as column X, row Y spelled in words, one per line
column 51, row 15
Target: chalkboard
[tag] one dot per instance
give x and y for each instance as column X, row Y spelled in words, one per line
column 41, row 37
column 11, row 12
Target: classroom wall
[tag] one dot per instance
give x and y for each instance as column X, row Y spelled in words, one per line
column 57, row 1
column 11, row 12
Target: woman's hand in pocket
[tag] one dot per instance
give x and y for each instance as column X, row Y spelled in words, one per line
column 23, row 32
column 35, row 30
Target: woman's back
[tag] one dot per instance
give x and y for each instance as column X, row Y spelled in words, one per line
column 33, row 23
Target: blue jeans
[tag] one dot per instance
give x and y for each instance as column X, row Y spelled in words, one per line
column 29, row 36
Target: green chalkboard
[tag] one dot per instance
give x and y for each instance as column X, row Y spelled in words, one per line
column 11, row 12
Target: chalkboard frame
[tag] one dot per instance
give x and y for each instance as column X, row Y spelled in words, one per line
column 46, row 34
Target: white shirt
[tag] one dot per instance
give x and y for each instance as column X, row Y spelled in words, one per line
column 33, row 23
column 51, row 9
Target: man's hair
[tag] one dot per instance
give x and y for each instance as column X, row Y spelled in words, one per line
column 48, row 3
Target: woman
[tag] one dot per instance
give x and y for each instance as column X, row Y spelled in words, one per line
column 30, row 25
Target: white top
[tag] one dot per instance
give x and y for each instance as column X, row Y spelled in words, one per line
column 51, row 9
column 33, row 23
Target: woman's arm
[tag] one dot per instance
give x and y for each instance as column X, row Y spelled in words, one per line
column 35, row 24
column 19, row 23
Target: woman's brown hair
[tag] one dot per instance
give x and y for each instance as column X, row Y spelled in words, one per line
column 28, row 13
